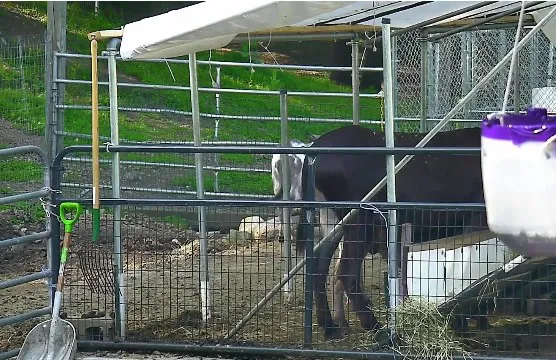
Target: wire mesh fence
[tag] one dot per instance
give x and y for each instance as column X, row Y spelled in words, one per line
column 462, row 297
column 22, row 64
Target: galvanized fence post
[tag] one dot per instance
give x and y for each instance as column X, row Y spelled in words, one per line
column 216, row 85
column 393, row 280
column 309, row 256
column 286, row 186
column 204, row 282
column 355, row 81
column 112, row 51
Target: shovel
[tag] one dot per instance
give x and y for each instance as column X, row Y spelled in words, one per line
column 55, row 339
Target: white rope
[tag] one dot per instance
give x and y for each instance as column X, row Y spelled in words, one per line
column 513, row 61
column 169, row 68
column 213, row 83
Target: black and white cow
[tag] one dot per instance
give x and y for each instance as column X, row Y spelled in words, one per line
column 295, row 164
column 431, row 178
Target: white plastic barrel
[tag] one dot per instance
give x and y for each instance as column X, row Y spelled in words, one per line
column 518, row 161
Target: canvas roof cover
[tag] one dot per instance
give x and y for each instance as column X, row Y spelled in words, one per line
column 213, row 24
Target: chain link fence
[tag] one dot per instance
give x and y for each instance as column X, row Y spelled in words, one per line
column 455, row 64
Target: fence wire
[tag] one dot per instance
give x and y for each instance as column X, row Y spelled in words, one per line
column 22, row 65
column 451, row 308
column 455, row 64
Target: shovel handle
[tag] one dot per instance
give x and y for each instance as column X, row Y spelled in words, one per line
column 69, row 207
column 68, row 228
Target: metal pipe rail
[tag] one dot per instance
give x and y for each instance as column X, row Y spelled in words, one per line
column 184, row 149
column 25, row 279
column 180, row 166
column 219, row 90
column 166, row 191
column 246, row 117
column 105, row 138
column 253, row 350
column 515, row 9
column 16, row 319
column 229, row 64
column 23, row 197
column 219, row 116
column 281, row 203
column 24, row 239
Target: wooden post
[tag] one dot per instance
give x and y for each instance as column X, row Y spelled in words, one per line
column 55, row 68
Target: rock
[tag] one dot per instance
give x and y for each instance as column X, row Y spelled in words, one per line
column 270, row 230
column 213, row 246
column 250, row 223
column 260, row 229
column 176, row 242
column 239, row 238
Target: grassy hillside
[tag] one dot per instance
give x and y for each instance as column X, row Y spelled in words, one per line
column 163, row 127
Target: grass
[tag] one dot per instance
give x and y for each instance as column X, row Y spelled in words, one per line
column 241, row 182
column 142, row 127
column 20, row 171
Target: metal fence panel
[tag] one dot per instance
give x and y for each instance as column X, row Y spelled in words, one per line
column 24, row 244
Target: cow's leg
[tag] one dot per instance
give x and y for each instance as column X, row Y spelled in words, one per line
column 324, row 317
column 338, row 294
column 328, row 220
column 350, row 274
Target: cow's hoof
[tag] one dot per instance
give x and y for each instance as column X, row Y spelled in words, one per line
column 333, row 333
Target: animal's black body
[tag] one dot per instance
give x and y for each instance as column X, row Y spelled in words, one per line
column 431, row 179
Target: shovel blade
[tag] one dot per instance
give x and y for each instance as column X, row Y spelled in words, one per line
column 35, row 346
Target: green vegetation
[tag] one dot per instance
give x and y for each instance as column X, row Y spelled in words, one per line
column 166, row 127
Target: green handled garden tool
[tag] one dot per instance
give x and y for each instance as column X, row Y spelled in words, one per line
column 55, row 339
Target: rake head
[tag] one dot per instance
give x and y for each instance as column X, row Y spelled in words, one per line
column 97, row 267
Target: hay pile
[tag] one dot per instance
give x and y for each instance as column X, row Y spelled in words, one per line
column 425, row 333
column 422, row 333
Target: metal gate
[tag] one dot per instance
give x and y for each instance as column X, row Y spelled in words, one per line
column 14, row 244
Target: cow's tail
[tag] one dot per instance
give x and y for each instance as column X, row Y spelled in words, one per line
column 303, row 225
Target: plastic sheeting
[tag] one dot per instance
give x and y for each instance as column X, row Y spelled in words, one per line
column 213, row 24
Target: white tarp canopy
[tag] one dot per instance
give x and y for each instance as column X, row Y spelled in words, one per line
column 213, row 24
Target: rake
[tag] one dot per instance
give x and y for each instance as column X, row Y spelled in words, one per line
column 96, row 263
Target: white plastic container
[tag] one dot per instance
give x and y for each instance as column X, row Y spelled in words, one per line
column 518, row 160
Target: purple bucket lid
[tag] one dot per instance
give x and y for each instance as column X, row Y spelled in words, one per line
column 536, row 125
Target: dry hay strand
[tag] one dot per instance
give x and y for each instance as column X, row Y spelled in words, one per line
column 425, row 333
column 422, row 333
